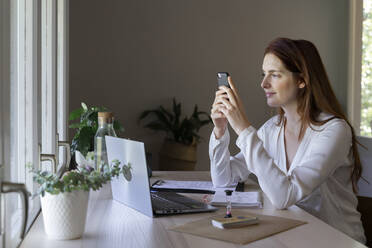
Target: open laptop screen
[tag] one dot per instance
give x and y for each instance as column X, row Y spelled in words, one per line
column 136, row 192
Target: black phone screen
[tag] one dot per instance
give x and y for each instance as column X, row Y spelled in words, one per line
column 222, row 79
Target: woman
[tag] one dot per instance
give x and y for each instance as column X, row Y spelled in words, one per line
column 307, row 154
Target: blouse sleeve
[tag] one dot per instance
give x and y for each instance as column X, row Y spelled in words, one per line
column 225, row 169
column 328, row 149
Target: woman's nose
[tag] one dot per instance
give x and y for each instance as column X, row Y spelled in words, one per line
column 265, row 84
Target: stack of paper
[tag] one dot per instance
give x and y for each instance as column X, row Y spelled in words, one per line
column 238, row 199
column 197, row 185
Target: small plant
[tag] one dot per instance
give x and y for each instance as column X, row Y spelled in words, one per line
column 86, row 128
column 84, row 178
column 183, row 131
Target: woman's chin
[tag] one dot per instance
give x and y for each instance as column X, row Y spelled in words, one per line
column 272, row 103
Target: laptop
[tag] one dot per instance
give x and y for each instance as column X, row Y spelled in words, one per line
column 133, row 190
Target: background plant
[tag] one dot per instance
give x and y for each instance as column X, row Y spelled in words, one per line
column 180, row 129
column 86, row 128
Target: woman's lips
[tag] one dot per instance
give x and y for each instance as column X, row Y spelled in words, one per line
column 269, row 94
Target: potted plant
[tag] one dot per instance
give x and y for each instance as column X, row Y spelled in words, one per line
column 86, row 128
column 64, row 200
column 179, row 148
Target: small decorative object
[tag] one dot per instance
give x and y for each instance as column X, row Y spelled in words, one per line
column 105, row 128
column 86, row 129
column 228, row 203
column 179, row 148
column 64, row 200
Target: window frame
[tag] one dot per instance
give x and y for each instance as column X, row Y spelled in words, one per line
column 4, row 103
column 22, row 51
column 48, row 79
column 62, row 76
column 24, row 114
column 54, row 79
column 355, row 63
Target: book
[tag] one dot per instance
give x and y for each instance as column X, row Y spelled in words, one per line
column 235, row 221
column 238, row 199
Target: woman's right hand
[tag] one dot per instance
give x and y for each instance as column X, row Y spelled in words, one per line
column 218, row 118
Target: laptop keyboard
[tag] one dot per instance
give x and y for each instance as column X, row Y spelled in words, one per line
column 166, row 201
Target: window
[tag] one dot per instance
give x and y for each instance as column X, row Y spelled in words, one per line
column 366, row 79
column 33, row 75
column 360, row 67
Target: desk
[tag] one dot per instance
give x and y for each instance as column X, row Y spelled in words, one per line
column 111, row 224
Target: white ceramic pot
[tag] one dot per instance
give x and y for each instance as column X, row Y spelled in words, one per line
column 64, row 214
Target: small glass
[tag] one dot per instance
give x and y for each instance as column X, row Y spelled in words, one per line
column 228, row 203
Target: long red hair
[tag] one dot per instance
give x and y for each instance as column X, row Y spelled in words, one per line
column 302, row 58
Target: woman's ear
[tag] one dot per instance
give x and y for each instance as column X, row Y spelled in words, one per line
column 300, row 81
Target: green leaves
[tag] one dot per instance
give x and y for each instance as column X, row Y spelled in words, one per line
column 86, row 139
column 118, row 126
column 177, row 111
column 164, row 122
column 76, row 114
column 82, row 179
column 86, row 127
column 84, row 106
column 184, row 131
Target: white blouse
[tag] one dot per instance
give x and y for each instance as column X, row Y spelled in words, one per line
column 317, row 181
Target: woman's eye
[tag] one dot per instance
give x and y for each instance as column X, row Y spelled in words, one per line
column 275, row 75
column 263, row 74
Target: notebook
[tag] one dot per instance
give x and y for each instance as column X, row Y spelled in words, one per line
column 135, row 191
column 238, row 199
column 234, row 221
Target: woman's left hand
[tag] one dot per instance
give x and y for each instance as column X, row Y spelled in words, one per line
column 233, row 108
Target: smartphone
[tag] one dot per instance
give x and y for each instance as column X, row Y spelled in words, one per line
column 222, row 79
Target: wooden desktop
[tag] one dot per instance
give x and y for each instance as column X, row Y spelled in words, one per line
column 111, row 224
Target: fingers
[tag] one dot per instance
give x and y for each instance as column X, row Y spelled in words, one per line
column 230, row 95
column 225, row 102
column 226, row 99
column 226, row 108
column 216, row 112
column 218, row 115
column 216, row 107
column 225, row 112
column 220, row 94
column 232, row 85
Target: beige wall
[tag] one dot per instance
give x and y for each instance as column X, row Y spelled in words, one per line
column 132, row 55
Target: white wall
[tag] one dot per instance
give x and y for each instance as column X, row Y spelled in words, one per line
column 134, row 55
